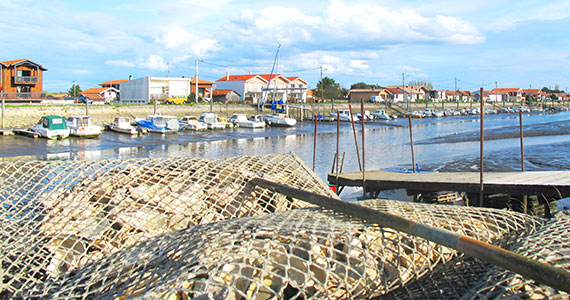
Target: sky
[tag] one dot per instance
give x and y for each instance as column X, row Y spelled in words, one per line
column 485, row 43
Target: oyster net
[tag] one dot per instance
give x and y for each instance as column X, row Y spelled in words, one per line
column 302, row 253
column 473, row 279
column 58, row 216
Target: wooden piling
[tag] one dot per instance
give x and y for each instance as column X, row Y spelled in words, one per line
column 481, row 159
column 355, row 138
column 363, row 150
column 412, row 144
column 315, row 144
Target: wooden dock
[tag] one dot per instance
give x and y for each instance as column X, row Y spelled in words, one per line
column 547, row 183
column 26, row 132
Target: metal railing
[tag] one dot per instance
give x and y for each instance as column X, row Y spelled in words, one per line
column 26, row 79
column 13, row 96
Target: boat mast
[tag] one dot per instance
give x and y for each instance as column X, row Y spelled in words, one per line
column 270, row 75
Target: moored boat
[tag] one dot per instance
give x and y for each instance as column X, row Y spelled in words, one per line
column 380, row 114
column 159, row 123
column 211, row 120
column 344, row 115
column 81, row 126
column 279, row 119
column 123, row 125
column 51, row 127
column 192, row 123
column 241, row 120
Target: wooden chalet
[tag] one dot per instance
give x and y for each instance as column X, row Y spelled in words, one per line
column 21, row 80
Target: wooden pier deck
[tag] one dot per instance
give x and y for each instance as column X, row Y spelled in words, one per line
column 547, row 183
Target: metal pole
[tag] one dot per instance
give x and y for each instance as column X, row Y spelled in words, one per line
column 3, row 109
column 315, row 145
column 481, row 159
column 412, row 144
column 363, row 150
column 522, row 143
column 322, row 86
column 557, row 278
column 337, row 145
column 196, row 85
column 355, row 138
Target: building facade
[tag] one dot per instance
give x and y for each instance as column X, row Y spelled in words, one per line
column 255, row 88
column 21, row 80
column 147, row 89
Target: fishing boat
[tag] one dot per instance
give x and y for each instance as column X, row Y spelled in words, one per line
column 123, row 125
column 380, row 114
column 211, row 120
column 241, row 120
column 344, row 115
column 51, row 127
column 159, row 123
column 192, row 123
column 279, row 119
column 81, row 126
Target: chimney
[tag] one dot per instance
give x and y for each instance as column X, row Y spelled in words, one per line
column 250, row 73
column 130, row 77
column 227, row 75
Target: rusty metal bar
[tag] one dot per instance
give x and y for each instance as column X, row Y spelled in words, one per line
column 412, row 144
column 337, row 144
column 355, row 138
column 363, row 150
column 481, row 159
column 3, row 110
column 315, row 144
column 541, row 272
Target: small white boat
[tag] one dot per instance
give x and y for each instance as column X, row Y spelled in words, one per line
column 380, row 114
column 159, row 123
column 241, row 120
column 192, row 123
column 81, row 126
column 279, row 119
column 51, row 127
column 123, row 125
column 344, row 115
column 211, row 120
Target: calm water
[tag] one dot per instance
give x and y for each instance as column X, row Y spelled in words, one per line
column 446, row 144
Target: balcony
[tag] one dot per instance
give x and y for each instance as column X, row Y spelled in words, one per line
column 25, row 79
column 23, row 96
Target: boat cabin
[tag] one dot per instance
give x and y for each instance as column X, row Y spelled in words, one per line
column 53, row 122
column 79, row 121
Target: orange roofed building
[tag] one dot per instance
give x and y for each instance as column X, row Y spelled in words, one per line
column 253, row 88
column 21, row 80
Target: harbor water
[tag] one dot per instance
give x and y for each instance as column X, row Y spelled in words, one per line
column 443, row 144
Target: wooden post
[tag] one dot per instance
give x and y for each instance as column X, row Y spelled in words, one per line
column 412, row 144
column 363, row 150
column 355, row 138
column 481, row 160
column 155, row 106
column 315, row 145
column 337, row 144
column 86, row 106
column 3, row 110
column 524, row 203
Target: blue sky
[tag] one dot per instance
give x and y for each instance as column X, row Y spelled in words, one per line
column 503, row 43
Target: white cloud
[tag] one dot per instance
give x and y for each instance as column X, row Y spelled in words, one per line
column 120, row 63
column 153, row 62
column 547, row 11
column 408, row 68
column 177, row 38
column 347, row 27
column 358, row 64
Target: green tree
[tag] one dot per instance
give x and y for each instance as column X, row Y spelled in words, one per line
column 74, row 91
column 362, row 85
column 332, row 89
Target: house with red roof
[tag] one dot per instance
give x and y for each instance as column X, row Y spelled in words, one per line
column 254, row 88
column 102, row 94
column 534, row 93
column 21, row 80
column 509, row 94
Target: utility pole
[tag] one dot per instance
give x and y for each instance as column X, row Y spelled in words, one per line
column 168, row 73
column 404, row 93
column 455, row 94
column 196, row 84
column 322, row 86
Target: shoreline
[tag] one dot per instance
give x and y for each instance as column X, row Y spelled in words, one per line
column 26, row 116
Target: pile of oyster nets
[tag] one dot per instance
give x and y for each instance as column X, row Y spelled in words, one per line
column 194, row 228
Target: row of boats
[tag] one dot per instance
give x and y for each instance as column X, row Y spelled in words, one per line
column 58, row 127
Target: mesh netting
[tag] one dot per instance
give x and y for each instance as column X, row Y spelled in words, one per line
column 473, row 279
column 194, row 228
column 57, row 216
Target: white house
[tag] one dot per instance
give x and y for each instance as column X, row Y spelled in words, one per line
column 104, row 94
column 142, row 90
column 254, row 88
